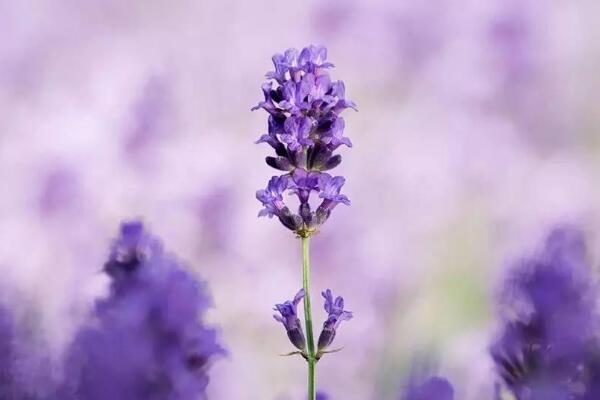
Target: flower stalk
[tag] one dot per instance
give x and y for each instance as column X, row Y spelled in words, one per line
column 305, row 129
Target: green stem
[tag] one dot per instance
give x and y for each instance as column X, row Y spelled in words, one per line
column 312, row 389
column 308, row 319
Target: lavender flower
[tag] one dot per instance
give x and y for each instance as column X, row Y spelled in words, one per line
column 289, row 318
column 337, row 314
column 549, row 349
column 147, row 339
column 304, row 129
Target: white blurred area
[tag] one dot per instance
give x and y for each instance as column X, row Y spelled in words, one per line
column 477, row 132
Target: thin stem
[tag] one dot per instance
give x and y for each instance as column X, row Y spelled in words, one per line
column 312, row 389
column 308, row 319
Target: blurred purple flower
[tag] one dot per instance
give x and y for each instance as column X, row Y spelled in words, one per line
column 289, row 318
column 322, row 396
column 434, row 388
column 546, row 351
column 337, row 314
column 147, row 339
column 304, row 129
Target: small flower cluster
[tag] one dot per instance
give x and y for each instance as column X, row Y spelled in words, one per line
column 288, row 316
column 147, row 339
column 548, row 347
column 304, row 129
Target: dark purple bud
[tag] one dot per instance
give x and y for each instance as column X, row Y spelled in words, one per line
column 276, row 123
column 326, row 338
column 296, row 335
column 332, row 163
column 291, row 221
column 308, row 217
column 318, row 156
column 323, row 212
column 280, row 163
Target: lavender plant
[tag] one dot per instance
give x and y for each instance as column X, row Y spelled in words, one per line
column 548, row 348
column 305, row 129
column 146, row 340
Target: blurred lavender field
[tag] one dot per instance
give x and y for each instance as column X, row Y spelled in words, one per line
column 477, row 131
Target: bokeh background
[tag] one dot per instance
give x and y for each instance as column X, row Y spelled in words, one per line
column 478, row 130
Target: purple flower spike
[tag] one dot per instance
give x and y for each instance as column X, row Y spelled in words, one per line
column 548, row 347
column 289, row 318
column 146, row 339
column 304, row 128
column 337, row 314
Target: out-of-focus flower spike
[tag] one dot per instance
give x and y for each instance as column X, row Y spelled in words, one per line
column 548, row 345
column 146, row 340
